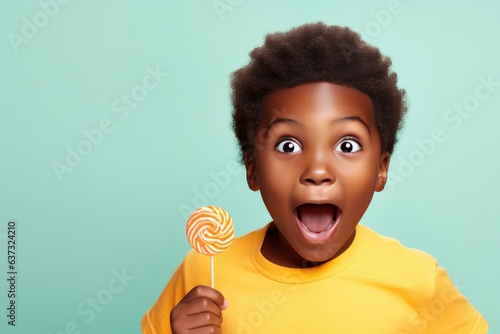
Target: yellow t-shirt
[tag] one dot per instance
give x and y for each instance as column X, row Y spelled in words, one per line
column 376, row 286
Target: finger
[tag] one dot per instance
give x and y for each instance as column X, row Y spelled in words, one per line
column 200, row 330
column 207, row 292
column 206, row 330
column 199, row 305
column 205, row 319
column 194, row 315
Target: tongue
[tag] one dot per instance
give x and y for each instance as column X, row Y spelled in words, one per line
column 316, row 218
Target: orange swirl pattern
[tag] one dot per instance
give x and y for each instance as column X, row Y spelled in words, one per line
column 210, row 230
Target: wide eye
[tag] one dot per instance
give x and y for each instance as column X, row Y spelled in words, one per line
column 288, row 146
column 348, row 146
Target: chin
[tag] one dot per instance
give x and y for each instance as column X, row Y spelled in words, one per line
column 321, row 254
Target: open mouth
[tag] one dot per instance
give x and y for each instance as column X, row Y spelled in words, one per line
column 317, row 220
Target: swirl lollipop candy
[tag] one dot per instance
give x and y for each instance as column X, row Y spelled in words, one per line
column 210, row 231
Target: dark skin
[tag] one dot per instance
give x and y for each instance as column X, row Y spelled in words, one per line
column 199, row 312
column 299, row 159
column 317, row 145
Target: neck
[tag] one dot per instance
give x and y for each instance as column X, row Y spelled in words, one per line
column 277, row 250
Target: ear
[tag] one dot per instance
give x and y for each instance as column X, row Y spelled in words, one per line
column 252, row 181
column 383, row 170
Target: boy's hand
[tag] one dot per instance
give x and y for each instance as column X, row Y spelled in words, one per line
column 199, row 312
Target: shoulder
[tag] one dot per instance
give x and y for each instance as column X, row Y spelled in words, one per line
column 391, row 251
column 399, row 267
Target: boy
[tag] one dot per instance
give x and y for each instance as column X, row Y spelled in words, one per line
column 316, row 113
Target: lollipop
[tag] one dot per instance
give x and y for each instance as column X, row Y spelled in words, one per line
column 210, row 231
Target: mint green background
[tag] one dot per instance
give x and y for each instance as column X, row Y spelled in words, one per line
column 121, row 208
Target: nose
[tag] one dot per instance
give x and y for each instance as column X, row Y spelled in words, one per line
column 318, row 170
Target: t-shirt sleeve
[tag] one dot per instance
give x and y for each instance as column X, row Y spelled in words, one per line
column 157, row 318
column 450, row 312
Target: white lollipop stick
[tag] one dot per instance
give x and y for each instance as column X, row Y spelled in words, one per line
column 212, row 284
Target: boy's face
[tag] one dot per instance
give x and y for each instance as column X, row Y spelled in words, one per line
column 317, row 163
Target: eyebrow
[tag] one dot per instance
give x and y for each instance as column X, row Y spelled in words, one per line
column 353, row 118
column 280, row 120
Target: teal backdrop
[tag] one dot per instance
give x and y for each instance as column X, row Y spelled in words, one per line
column 115, row 124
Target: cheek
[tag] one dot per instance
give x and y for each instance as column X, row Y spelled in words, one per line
column 276, row 183
column 270, row 178
column 363, row 172
column 359, row 184
column 274, row 180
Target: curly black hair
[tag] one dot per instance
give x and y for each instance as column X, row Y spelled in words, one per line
column 315, row 53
